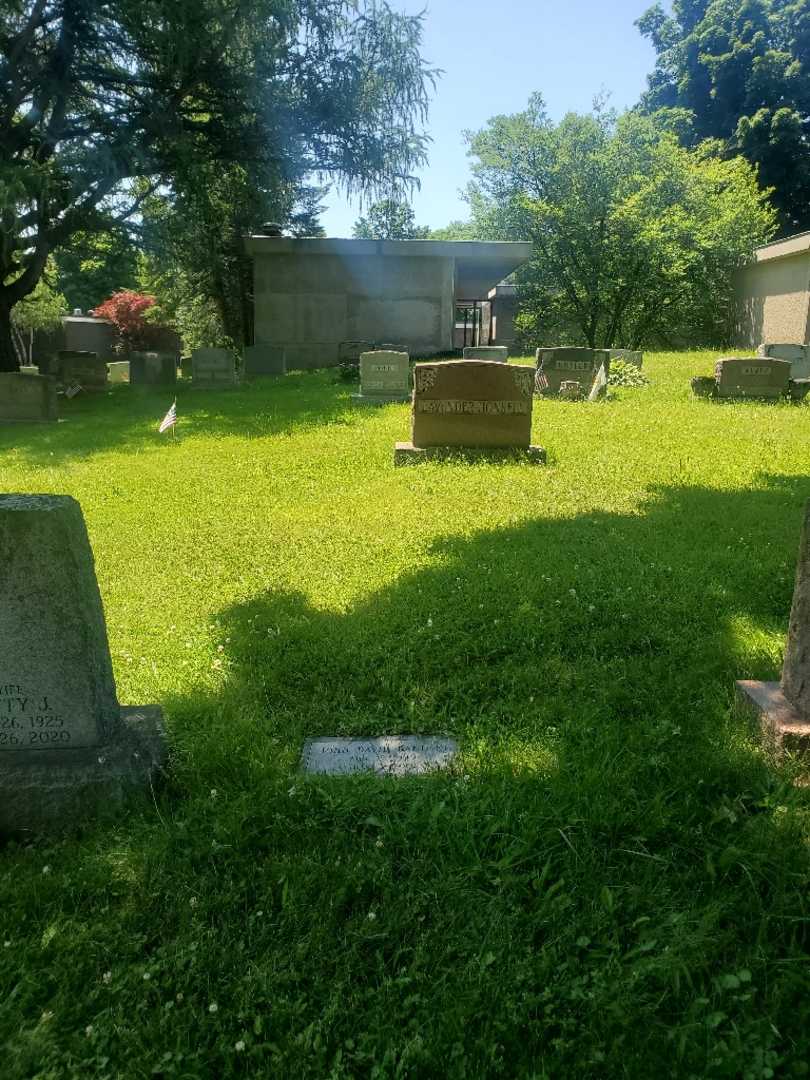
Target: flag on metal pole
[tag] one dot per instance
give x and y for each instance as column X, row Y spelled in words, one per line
column 170, row 419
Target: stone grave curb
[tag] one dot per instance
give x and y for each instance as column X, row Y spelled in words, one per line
column 781, row 724
column 405, row 453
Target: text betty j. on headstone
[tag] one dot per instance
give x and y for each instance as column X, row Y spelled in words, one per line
column 66, row 746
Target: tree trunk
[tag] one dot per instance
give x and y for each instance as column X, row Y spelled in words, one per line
column 8, row 354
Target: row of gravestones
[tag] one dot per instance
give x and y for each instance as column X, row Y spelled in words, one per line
column 68, row 749
column 777, row 371
column 31, row 395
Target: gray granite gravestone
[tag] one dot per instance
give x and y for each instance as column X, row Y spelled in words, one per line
column 26, row 397
column 556, row 366
column 386, row 755
column 783, row 708
column 486, row 352
column 85, row 369
column 628, row 356
column 756, row 377
column 66, row 745
column 213, row 369
column 798, row 357
column 385, row 377
column 152, row 369
column 265, row 360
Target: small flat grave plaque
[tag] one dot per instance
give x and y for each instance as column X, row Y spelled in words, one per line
column 386, row 755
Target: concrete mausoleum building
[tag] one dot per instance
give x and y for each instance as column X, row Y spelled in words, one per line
column 312, row 294
column 773, row 294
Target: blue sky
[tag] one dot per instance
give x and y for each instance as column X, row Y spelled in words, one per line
column 494, row 55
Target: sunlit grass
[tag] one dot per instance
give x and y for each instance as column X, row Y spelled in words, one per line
column 612, row 882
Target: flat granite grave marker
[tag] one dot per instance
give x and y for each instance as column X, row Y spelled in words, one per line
column 213, row 369
column 385, row 377
column 486, row 352
column 27, row 398
column 66, row 745
column 152, row 369
column 474, row 405
column 556, row 366
column 797, row 355
column 752, row 376
column 265, row 360
column 783, row 708
column 385, row 755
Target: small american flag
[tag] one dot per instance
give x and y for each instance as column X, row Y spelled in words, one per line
column 72, row 390
column 540, row 381
column 170, row 419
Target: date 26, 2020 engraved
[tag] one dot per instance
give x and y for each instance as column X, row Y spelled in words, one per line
column 29, row 721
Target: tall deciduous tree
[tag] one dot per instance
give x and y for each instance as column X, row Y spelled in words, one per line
column 635, row 237
column 389, row 219
column 741, row 70
column 105, row 102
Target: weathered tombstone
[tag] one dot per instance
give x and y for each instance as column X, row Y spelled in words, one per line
column 386, row 755
column 470, row 404
column 783, row 708
column 384, row 377
column 556, row 366
column 213, row 369
column 628, row 356
column 66, row 745
column 797, row 355
column 26, row 397
column 118, row 371
column 152, row 369
column 85, row 369
column 486, row 352
column 755, row 377
column 29, row 369
column 265, row 360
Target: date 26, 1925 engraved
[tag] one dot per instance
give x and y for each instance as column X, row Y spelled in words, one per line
column 27, row 720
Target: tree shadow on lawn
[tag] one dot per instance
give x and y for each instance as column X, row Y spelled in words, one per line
column 587, row 667
column 126, row 418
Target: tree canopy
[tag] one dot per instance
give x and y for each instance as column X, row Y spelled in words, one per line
column 636, row 238
column 389, row 219
column 105, row 104
column 739, row 71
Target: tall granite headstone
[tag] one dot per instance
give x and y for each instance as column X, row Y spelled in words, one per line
column 66, row 745
column 213, row 369
column 783, row 707
column 556, row 366
column 152, row 369
column 470, row 404
column 27, row 398
column 798, row 357
column 385, row 376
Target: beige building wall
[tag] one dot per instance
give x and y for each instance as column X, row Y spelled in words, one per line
column 773, row 295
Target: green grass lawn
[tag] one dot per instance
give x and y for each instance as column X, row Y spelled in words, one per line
column 612, row 883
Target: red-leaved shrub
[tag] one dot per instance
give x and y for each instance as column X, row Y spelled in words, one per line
column 125, row 310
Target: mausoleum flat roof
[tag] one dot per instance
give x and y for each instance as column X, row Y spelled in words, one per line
column 479, row 263
column 780, row 249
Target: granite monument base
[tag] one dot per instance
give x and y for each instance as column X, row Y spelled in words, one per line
column 780, row 722
column 405, row 453
column 56, row 790
column 380, row 399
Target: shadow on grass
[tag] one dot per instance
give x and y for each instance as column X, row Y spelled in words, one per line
column 126, row 418
column 613, row 883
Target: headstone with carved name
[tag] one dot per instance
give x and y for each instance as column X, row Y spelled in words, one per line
column 561, row 365
column 85, row 369
column 755, row 377
column 486, row 352
column 27, row 398
column 385, row 376
column 66, row 745
column 783, row 708
column 385, row 755
column 475, row 405
column 213, row 369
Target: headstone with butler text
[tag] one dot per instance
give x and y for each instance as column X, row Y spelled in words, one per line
column 565, row 365
column 66, row 745
column 480, row 405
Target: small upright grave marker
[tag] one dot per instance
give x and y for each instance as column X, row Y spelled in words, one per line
column 486, row 352
column 385, row 377
column 470, row 405
column 118, row 372
column 152, row 369
column 566, row 365
column 386, row 755
column 783, row 708
column 65, row 742
column 213, row 369
column 24, row 397
column 265, row 360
